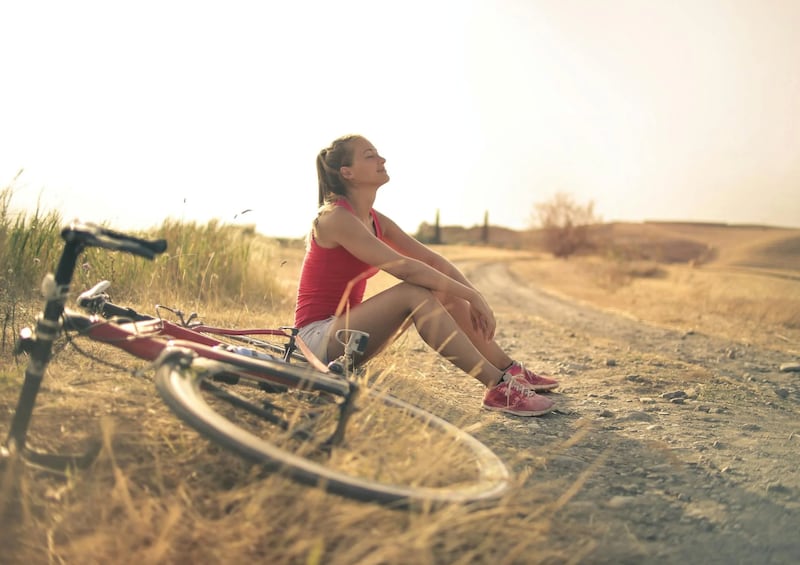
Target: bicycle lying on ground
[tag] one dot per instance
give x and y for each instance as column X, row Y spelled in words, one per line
column 266, row 401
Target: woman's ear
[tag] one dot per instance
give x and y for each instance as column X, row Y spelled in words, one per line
column 346, row 172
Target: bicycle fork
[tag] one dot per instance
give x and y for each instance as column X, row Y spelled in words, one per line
column 38, row 344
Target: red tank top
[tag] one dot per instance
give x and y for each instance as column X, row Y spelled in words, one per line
column 325, row 276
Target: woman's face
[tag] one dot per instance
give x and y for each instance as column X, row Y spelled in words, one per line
column 368, row 167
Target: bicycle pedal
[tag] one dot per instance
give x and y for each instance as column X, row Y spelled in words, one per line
column 341, row 366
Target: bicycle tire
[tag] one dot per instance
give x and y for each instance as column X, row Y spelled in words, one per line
column 181, row 377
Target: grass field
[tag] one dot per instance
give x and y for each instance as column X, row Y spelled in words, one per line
column 160, row 494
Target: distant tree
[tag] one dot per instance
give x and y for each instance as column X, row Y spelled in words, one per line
column 485, row 230
column 427, row 233
column 565, row 224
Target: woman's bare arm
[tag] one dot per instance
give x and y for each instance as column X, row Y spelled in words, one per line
column 411, row 247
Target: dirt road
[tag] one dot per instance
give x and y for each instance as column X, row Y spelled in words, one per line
column 668, row 446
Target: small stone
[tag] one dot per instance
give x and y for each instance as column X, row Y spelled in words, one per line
column 790, row 368
column 620, row 501
column 778, row 488
column 611, row 362
column 674, row 394
column 782, row 392
column 638, row 416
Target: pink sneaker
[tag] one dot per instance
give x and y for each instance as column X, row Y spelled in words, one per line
column 535, row 382
column 514, row 396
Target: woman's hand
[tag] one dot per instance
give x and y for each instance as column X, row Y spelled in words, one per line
column 483, row 321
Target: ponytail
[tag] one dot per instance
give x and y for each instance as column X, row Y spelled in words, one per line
column 329, row 161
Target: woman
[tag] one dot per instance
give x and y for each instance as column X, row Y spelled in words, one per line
column 350, row 242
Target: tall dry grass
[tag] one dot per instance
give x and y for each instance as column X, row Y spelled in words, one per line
column 28, row 249
column 211, row 265
column 218, row 265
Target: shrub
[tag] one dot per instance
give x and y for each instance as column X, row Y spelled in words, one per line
column 565, row 224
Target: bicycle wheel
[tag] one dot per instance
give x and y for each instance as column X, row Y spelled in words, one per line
column 393, row 452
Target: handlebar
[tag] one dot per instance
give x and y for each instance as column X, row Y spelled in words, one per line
column 79, row 235
column 92, row 235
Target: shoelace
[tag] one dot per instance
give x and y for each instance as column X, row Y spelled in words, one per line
column 517, row 382
column 523, row 371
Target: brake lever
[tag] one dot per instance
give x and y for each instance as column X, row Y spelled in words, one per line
column 90, row 299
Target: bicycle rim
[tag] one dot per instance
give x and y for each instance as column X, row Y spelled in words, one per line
column 394, row 453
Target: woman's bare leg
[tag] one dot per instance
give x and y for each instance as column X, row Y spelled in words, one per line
column 387, row 314
column 459, row 309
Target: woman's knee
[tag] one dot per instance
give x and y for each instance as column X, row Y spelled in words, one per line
column 458, row 307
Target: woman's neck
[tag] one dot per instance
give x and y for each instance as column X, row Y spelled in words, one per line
column 361, row 201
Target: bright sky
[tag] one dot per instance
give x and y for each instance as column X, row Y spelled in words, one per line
column 130, row 113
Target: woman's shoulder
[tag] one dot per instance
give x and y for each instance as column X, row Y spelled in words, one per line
column 331, row 222
column 337, row 209
column 334, row 214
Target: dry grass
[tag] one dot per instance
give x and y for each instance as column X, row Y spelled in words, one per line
column 161, row 494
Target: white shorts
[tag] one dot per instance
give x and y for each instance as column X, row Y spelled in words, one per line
column 316, row 336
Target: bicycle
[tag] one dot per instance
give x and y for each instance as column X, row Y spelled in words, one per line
column 296, row 417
